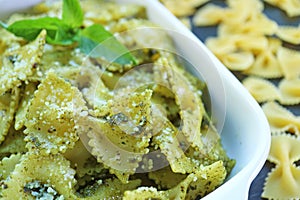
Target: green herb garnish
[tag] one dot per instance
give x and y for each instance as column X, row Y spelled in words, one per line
column 69, row 30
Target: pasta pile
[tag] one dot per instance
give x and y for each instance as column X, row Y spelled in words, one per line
column 78, row 127
column 250, row 43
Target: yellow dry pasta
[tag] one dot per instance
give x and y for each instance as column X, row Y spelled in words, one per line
column 257, row 25
column 221, row 45
column 182, row 8
column 289, row 34
column 208, row 15
column 238, row 61
column 39, row 176
column 283, row 181
column 291, row 7
column 265, row 65
column 50, row 126
column 290, row 62
column 262, row 90
column 290, row 91
column 280, row 119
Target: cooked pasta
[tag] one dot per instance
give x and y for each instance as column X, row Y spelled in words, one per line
column 78, row 126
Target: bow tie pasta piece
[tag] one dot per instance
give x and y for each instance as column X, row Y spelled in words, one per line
column 283, row 181
column 291, row 7
column 27, row 95
column 252, row 43
column 18, row 64
column 7, row 165
column 50, row 126
column 256, row 25
column 39, row 176
column 118, row 151
column 289, row 34
column 238, row 61
column 182, row 8
column 280, row 119
column 199, row 183
column 93, row 89
column 163, row 176
column 82, row 160
column 265, row 65
column 290, row 62
column 170, row 146
column 120, row 141
column 110, row 189
column 214, row 150
column 221, row 45
column 14, row 143
column 106, row 12
column 262, row 90
column 189, row 103
column 209, row 15
column 290, row 91
column 8, row 105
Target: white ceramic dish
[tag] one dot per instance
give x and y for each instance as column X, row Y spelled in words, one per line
column 244, row 128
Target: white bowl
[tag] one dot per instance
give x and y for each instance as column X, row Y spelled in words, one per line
column 245, row 132
column 244, row 129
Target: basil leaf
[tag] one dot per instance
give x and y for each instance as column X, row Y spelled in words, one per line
column 72, row 14
column 98, row 42
column 57, row 31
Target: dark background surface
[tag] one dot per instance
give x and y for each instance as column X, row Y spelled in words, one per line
column 281, row 18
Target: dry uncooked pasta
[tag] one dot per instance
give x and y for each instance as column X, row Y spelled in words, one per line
column 289, row 61
column 289, row 34
column 262, row 90
column 182, row 8
column 291, row 7
column 283, row 181
column 290, row 91
column 280, row 119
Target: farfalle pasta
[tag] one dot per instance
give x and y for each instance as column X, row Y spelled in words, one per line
column 287, row 92
column 283, row 181
column 85, row 127
column 280, row 119
column 262, row 90
column 291, row 7
column 289, row 34
column 243, row 29
column 289, row 62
